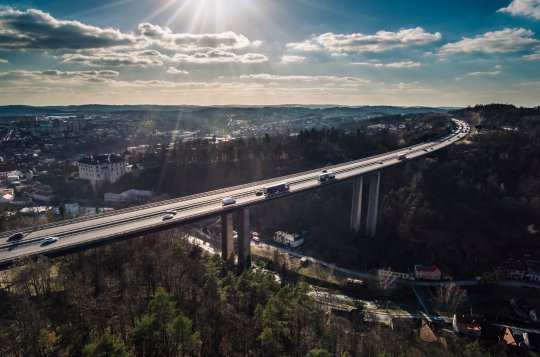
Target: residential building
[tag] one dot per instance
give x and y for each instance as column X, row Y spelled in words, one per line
column 386, row 273
column 113, row 197
column 8, row 170
column 43, row 196
column 129, row 195
column 427, row 272
column 102, row 168
column 514, row 269
column 467, row 325
column 426, row 332
column 138, row 150
column 6, row 195
column 22, row 200
column 288, row 239
column 533, row 271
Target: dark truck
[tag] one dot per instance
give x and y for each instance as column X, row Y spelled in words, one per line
column 275, row 189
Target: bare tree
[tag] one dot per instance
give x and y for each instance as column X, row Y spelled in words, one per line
column 385, row 279
column 450, row 297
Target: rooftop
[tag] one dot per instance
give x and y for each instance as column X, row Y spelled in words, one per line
column 101, row 159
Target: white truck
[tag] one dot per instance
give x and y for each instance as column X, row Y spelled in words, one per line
column 326, row 177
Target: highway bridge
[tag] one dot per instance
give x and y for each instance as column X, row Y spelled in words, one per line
column 85, row 232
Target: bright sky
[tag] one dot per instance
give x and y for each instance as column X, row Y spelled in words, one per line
column 214, row 52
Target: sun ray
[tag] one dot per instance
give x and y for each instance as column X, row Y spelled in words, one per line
column 99, row 9
column 160, row 10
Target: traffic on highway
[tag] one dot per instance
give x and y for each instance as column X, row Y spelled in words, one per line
column 60, row 237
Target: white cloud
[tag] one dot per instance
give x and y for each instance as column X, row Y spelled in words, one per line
column 378, row 42
column 403, row 64
column 256, row 43
column 302, row 78
column 35, row 29
column 164, row 37
column 405, row 87
column 533, row 56
column 292, row 59
column 3, row 61
column 217, row 56
column 307, row 46
column 52, row 75
column 110, row 58
column 528, row 8
column 173, row 70
column 484, row 74
column 506, row 40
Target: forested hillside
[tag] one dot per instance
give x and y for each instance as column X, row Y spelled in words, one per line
column 478, row 202
column 158, row 296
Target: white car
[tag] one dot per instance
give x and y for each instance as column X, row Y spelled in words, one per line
column 167, row 216
column 49, row 240
column 173, row 212
column 228, row 201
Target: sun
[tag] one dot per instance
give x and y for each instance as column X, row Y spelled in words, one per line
column 199, row 16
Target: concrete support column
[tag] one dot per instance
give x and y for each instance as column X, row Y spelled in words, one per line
column 356, row 209
column 407, row 167
column 422, row 163
column 373, row 204
column 227, row 240
column 244, row 239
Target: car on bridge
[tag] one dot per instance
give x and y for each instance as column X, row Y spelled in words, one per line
column 326, row 177
column 49, row 240
column 167, row 216
column 402, row 157
column 227, row 201
column 173, row 212
column 15, row 236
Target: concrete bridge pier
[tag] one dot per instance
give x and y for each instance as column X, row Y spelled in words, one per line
column 422, row 164
column 244, row 239
column 407, row 167
column 356, row 209
column 227, row 240
column 373, row 204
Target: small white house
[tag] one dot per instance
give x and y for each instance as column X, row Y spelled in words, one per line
column 288, row 239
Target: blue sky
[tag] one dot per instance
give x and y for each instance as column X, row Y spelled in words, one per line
column 446, row 53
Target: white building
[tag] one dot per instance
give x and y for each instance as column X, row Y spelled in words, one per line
column 6, row 195
column 138, row 150
column 113, row 197
column 8, row 170
column 102, row 168
column 288, row 239
column 129, row 195
column 43, row 196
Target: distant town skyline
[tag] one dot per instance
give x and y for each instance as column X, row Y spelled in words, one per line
column 257, row 52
